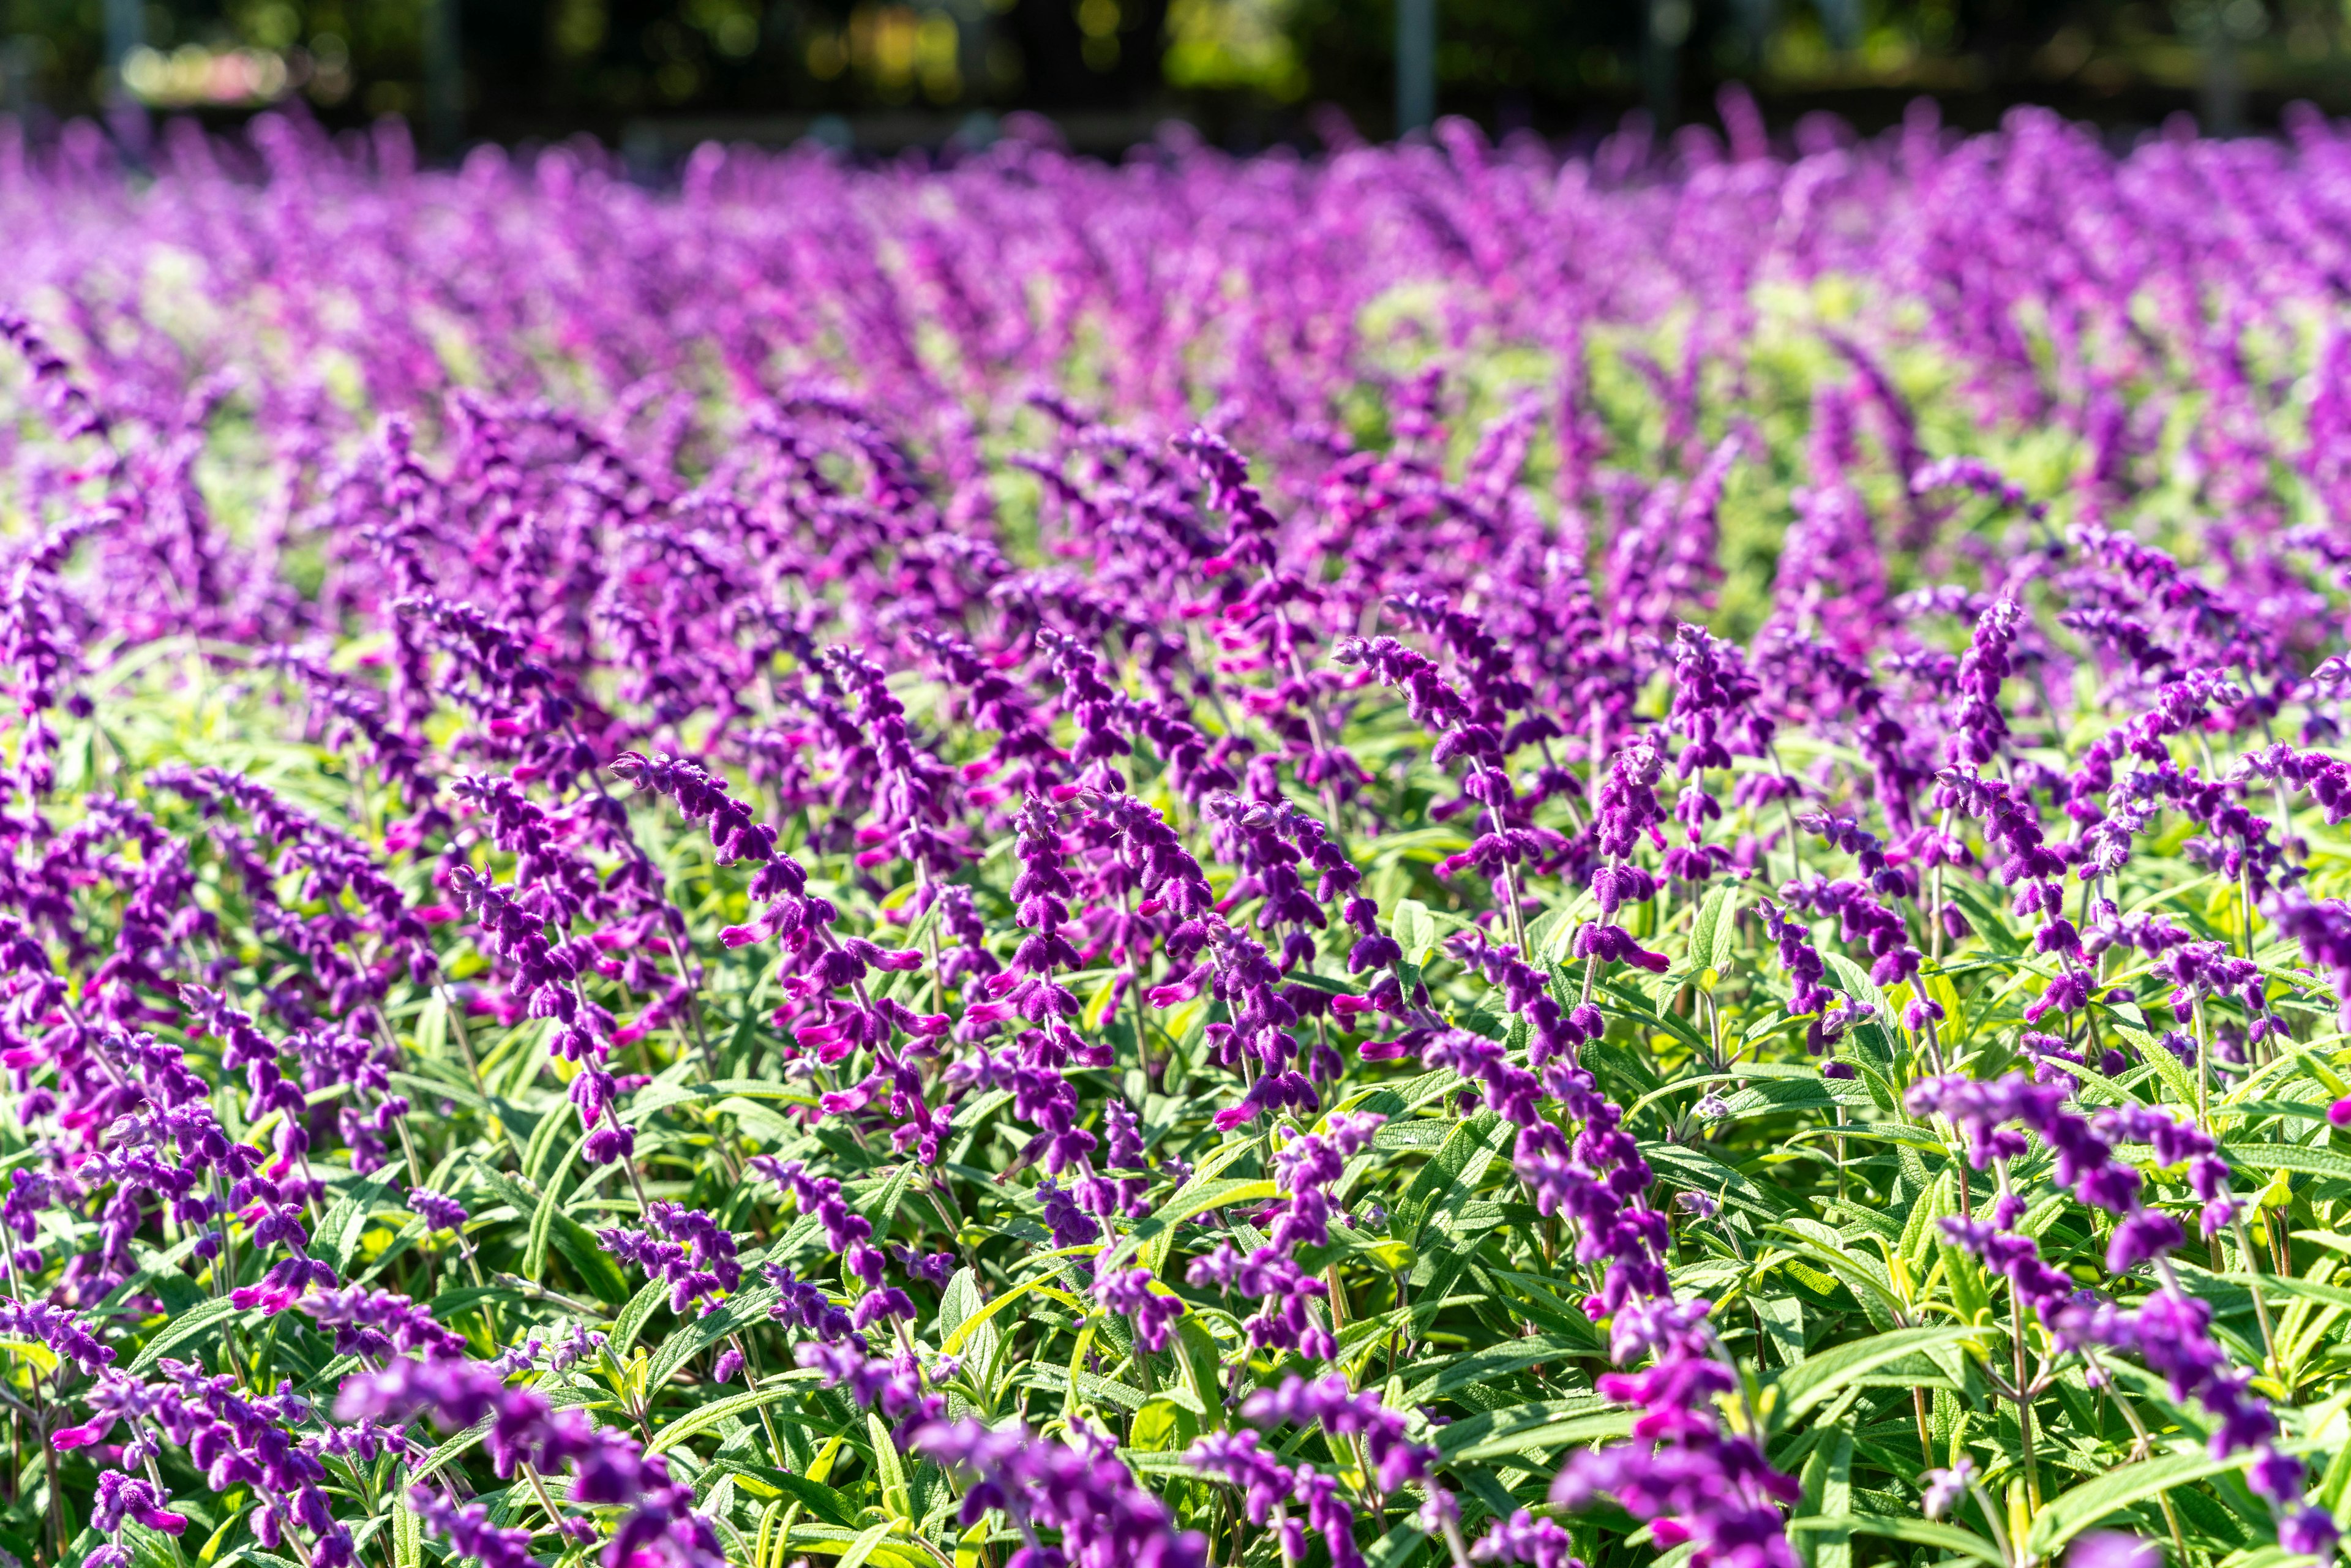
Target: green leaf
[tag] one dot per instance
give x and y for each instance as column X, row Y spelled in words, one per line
column 634, row 1318
column 461, row 1298
column 897, row 1500
column 957, row 1303
column 1414, row 932
column 1196, row 1355
column 1828, row 1488
column 1683, row 1166
column 1862, row 1275
column 1057, row 1380
column 550, row 1206
column 1545, row 1425
column 1399, row 1548
column 1157, row 1233
column 1458, row 1163
column 1820, row 1379
column 1779, row 1096
column 339, row 1231
column 2101, row 1496
column 543, row 1139
column 881, row 1208
column 407, row 1534
column 2286, row 1157
column 431, row 1029
column 1724, row 948
column 1043, row 1282
column 2176, row 1078
column 865, row 1544
column 508, row 1189
column 822, row 1501
column 1183, row 1205
column 1543, row 1295
column 1495, row 1362
column 1705, row 924
column 1916, row 1531
column 698, row 1334
column 1920, row 1229
column 587, row 1255
column 184, row 1330
column 449, row 1450
column 2287, row 1285
column 702, row 1417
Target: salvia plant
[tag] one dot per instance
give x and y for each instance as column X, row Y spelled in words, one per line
column 1440, row 857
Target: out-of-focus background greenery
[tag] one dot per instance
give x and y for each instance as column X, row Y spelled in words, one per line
column 656, row 75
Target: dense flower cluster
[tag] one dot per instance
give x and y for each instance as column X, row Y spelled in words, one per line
column 1438, row 851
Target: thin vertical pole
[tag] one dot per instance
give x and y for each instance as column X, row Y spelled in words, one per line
column 1661, row 59
column 126, row 29
column 1416, row 63
column 445, row 78
column 2220, row 86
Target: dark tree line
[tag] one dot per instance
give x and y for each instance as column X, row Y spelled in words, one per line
column 1244, row 70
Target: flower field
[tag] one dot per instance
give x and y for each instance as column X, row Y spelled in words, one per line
column 1435, row 858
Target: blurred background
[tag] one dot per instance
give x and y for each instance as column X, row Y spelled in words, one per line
column 654, row 76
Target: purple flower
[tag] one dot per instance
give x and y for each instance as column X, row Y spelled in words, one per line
column 1945, row 1488
column 438, row 1213
column 2112, row 1549
column 1105, row 1520
column 1522, row 1538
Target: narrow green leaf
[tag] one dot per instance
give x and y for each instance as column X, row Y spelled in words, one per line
column 587, row 1255
column 959, row 1300
column 1815, row 1382
column 2286, row 1157
column 1043, row 1282
column 180, row 1330
column 1699, row 1170
column 897, row 1500
column 338, row 1238
column 881, row 1208
column 1704, row 926
column 1458, row 1161
column 1543, row 1424
column 704, row 1417
column 864, row 1546
column 407, row 1534
column 542, row 1139
column 1725, row 946
column 1778, row 1097
column 693, row 1337
column 543, row 1217
column 1399, row 1548
column 1491, row 1364
column 822, row 1501
column 1157, row 1233
column 2102, row 1495
column 1828, row 1491
column 1195, row 1355
column 1949, row 1538
column 634, row 1318
column 1057, row 1380
column 1865, row 1278
column 1414, row 930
